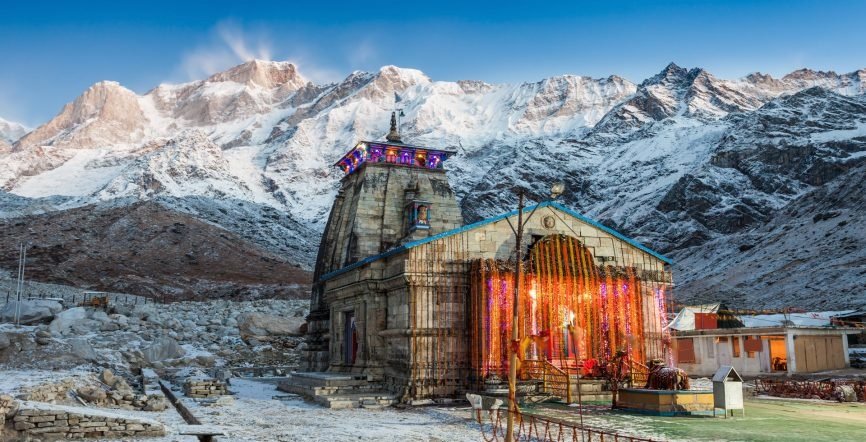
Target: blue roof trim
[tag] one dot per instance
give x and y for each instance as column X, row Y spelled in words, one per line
column 611, row 231
column 484, row 222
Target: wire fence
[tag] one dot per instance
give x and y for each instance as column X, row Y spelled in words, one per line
column 531, row 428
column 86, row 298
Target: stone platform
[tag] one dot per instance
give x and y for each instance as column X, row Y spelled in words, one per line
column 338, row 390
column 590, row 391
column 666, row 402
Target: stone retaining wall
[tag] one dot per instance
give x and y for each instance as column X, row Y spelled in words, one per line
column 60, row 423
column 204, row 388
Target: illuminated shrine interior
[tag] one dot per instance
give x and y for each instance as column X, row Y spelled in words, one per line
column 573, row 312
column 392, row 153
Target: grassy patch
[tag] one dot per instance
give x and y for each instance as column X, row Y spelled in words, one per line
column 765, row 420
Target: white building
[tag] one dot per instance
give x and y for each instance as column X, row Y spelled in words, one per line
column 759, row 344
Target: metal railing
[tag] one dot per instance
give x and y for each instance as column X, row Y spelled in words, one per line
column 554, row 380
column 531, row 427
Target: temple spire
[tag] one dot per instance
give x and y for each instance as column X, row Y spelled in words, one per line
column 394, row 136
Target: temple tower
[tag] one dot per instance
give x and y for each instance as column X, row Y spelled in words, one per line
column 391, row 194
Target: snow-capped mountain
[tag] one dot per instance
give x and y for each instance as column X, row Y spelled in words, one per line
column 680, row 160
column 9, row 132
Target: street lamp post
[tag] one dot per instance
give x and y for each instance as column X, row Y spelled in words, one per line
column 555, row 191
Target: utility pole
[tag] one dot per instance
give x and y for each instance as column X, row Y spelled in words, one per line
column 555, row 191
column 19, row 287
column 515, row 336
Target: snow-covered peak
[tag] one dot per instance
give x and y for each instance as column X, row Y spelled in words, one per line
column 261, row 73
column 405, row 76
column 10, row 131
column 672, row 73
column 105, row 114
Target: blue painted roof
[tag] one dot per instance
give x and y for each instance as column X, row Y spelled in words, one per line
column 484, row 222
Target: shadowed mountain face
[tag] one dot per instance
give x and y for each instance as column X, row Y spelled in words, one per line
column 146, row 249
column 683, row 161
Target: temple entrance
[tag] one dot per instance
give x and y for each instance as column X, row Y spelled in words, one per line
column 574, row 313
column 350, row 338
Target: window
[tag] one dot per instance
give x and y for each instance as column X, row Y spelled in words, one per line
column 391, row 156
column 752, row 345
column 685, row 350
column 735, row 346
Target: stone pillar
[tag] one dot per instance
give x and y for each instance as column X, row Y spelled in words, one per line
column 790, row 349
column 845, row 350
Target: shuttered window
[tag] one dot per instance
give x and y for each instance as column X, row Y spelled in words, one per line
column 686, row 350
column 752, row 346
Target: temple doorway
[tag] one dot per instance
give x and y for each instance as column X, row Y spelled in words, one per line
column 350, row 338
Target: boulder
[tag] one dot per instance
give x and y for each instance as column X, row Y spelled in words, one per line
column 99, row 315
column 8, row 407
column 30, row 312
column 82, row 349
column 107, row 377
column 143, row 312
column 93, row 394
column 846, row 393
column 162, row 349
column 64, row 321
column 4, row 341
column 205, row 360
column 109, row 327
column 261, row 325
column 155, row 403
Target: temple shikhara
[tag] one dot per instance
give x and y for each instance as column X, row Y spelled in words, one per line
column 413, row 304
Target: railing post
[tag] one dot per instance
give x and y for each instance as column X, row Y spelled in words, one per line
column 568, row 388
column 544, row 377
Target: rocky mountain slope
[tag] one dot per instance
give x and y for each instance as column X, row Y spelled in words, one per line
column 145, row 248
column 681, row 160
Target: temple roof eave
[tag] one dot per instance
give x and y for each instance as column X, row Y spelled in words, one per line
column 552, row 204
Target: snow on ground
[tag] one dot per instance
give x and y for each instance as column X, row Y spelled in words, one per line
column 256, row 416
column 14, row 382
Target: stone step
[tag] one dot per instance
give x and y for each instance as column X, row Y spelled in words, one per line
column 308, row 379
column 362, row 400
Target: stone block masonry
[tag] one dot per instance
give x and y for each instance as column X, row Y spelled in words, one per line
column 204, row 388
column 54, row 422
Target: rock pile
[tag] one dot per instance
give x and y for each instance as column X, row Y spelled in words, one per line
column 185, row 334
column 8, row 408
column 51, row 393
column 109, row 391
column 61, row 423
column 120, row 394
column 200, row 388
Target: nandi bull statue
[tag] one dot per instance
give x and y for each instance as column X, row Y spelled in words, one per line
column 666, row 378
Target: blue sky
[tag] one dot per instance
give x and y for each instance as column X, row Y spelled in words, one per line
column 51, row 51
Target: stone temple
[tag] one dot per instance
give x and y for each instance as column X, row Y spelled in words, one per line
column 411, row 305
